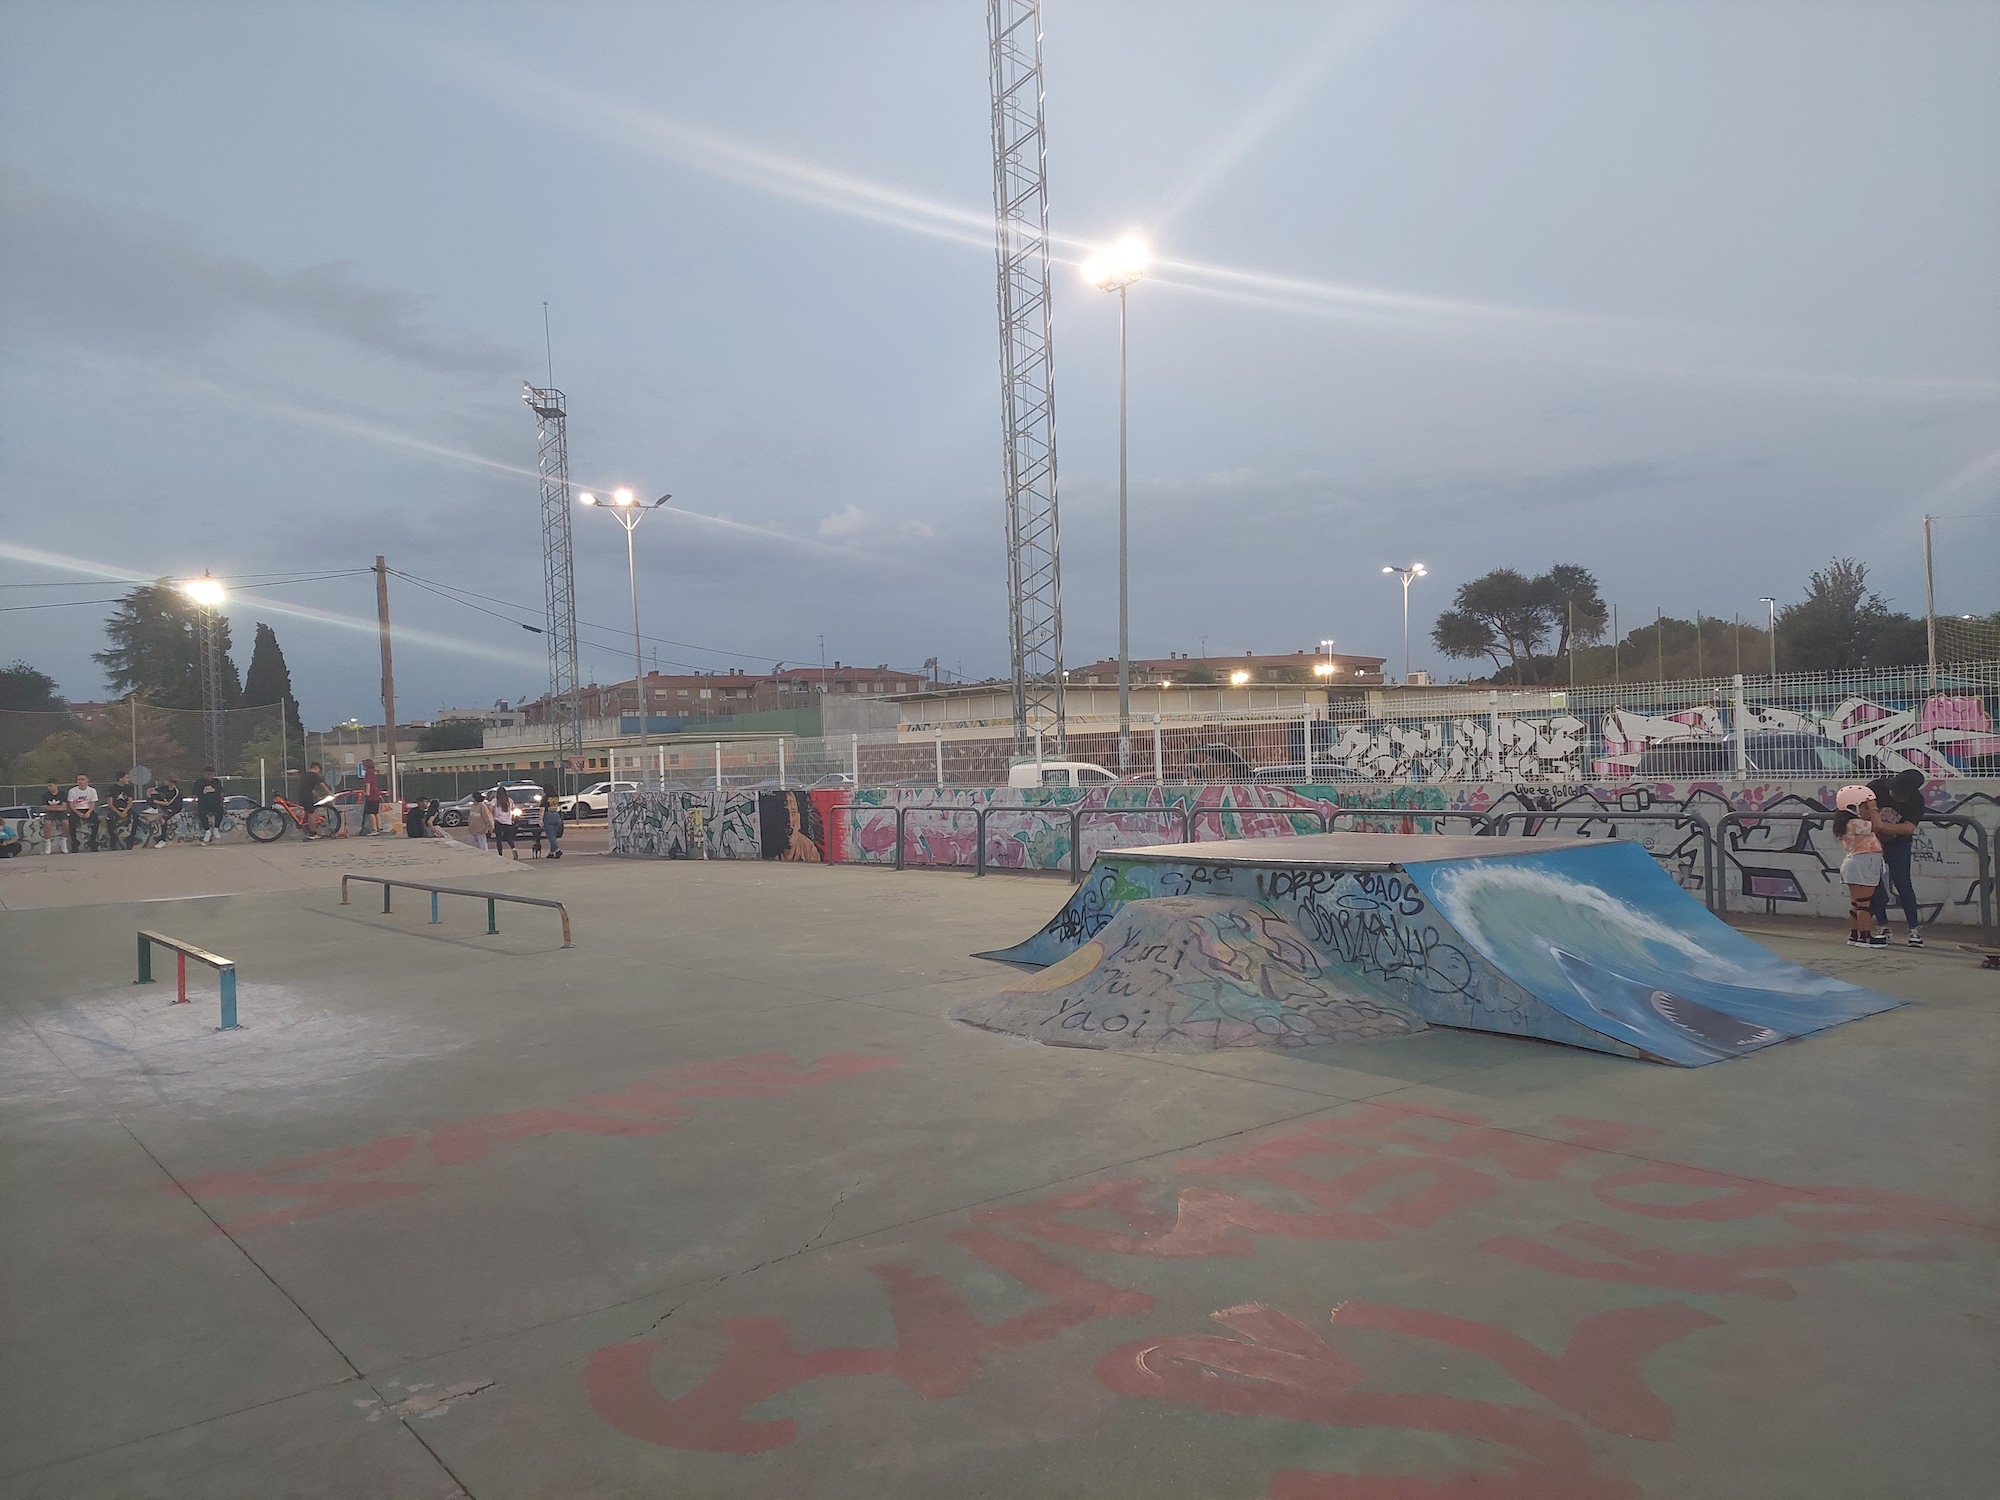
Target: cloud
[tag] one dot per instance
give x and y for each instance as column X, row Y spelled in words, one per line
column 851, row 520
column 76, row 272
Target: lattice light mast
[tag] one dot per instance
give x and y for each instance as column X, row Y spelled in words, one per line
column 1027, row 375
column 558, row 577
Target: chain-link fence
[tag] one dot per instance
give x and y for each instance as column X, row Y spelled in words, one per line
column 1816, row 725
column 253, row 750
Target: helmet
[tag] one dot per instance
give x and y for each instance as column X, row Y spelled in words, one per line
column 1851, row 797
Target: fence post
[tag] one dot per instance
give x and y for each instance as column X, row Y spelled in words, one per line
column 1306, row 726
column 718, row 765
column 1076, row 846
column 1159, row 760
column 781, row 762
column 940, row 755
column 854, row 750
column 1493, row 734
column 900, row 811
column 979, row 837
column 1742, row 735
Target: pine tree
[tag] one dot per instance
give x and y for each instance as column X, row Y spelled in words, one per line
column 269, row 680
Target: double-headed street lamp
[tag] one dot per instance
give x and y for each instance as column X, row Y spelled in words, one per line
column 629, row 513
column 1771, row 632
column 207, row 593
column 1114, row 271
column 1409, row 576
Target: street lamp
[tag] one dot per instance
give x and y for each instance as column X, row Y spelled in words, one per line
column 1409, row 576
column 1326, row 669
column 1237, row 679
column 1114, row 271
column 207, row 593
column 628, row 512
column 1771, row 632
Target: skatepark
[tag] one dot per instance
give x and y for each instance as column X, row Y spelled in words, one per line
column 725, row 1199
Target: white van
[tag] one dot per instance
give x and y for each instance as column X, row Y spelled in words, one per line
column 1029, row 773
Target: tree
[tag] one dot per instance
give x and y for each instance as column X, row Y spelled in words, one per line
column 269, row 680
column 156, row 649
column 1838, row 625
column 452, row 734
column 24, row 690
column 1508, row 617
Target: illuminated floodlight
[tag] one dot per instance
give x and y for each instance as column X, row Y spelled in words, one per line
column 586, row 499
column 621, row 497
column 1119, row 266
column 1325, row 669
column 1237, row 679
column 204, row 590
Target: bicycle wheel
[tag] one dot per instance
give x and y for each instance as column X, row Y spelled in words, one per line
column 266, row 823
column 326, row 821
column 225, row 824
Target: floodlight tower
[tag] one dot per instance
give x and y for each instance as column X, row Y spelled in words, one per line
column 208, row 594
column 1027, row 374
column 558, row 576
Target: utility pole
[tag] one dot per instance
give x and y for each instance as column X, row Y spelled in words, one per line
column 388, row 669
column 1930, row 610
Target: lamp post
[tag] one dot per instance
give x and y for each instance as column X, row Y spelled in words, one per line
column 1771, row 632
column 1114, row 271
column 1409, row 576
column 207, row 593
column 628, row 512
column 1326, row 671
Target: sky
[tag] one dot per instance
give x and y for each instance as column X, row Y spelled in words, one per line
column 1695, row 295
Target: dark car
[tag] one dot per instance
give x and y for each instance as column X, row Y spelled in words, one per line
column 1767, row 754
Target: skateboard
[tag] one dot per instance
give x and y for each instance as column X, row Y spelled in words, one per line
column 1989, row 957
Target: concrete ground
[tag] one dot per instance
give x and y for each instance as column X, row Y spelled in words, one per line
column 720, row 1203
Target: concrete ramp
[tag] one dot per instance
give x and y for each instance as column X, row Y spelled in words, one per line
column 1581, row 941
column 1192, row 974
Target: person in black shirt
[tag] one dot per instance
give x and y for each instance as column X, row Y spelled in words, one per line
column 312, row 787
column 118, row 804
column 208, row 804
column 164, row 798
column 58, row 822
column 1901, row 801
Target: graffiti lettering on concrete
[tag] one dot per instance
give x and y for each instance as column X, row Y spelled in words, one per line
column 394, row 1167
column 1373, row 1173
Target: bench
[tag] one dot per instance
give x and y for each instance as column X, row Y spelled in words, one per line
column 225, row 968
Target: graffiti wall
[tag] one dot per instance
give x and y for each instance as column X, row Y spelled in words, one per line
column 1756, row 846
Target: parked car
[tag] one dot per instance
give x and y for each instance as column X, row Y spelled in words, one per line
column 523, row 794
column 1766, row 754
column 1299, row 774
column 594, row 801
column 1029, row 773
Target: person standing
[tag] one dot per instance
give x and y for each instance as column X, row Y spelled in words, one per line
column 83, row 813
column 1900, row 799
column 312, row 787
column 1860, row 863
column 552, row 823
column 164, row 798
column 504, row 816
column 208, row 804
column 479, row 821
column 121, row 812
column 371, row 800
column 58, row 822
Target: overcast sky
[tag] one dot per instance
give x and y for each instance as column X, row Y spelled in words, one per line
column 1696, row 295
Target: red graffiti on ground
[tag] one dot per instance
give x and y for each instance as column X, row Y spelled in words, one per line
column 334, row 1181
column 1374, row 1173
column 940, row 1346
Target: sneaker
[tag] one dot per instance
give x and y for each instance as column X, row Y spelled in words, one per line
column 1916, row 938
column 1858, row 940
column 1878, row 939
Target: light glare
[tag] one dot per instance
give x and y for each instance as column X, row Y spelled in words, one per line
column 586, row 499
column 205, row 591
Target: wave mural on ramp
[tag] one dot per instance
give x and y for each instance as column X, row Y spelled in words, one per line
column 1603, row 935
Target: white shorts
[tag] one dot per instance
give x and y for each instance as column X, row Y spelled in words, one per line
column 1861, row 869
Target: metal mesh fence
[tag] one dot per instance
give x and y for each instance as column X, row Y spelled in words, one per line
column 253, row 749
column 1817, row 725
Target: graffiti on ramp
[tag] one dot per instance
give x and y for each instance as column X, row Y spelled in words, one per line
column 1191, row 974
